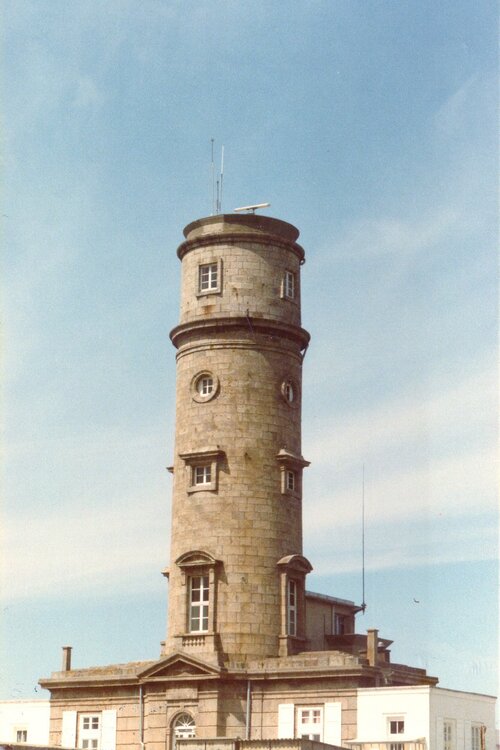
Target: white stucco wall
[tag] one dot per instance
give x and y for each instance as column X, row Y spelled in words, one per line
column 424, row 710
column 33, row 716
column 377, row 705
column 463, row 709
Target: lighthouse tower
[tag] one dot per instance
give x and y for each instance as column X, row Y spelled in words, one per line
column 237, row 574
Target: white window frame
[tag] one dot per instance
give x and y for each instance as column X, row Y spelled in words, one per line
column 292, row 593
column 23, row 731
column 205, row 385
column 199, row 604
column 476, row 731
column 89, row 737
column 310, row 723
column 449, row 734
column 291, row 480
column 209, row 277
column 202, row 475
column 289, row 285
column 399, row 725
column 183, row 728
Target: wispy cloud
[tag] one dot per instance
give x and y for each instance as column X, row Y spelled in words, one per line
column 87, row 549
column 447, row 417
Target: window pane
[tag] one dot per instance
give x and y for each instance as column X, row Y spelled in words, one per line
column 199, row 604
column 208, row 277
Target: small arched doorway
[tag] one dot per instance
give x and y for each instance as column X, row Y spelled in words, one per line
column 183, row 728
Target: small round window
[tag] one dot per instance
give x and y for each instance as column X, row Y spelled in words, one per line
column 289, row 392
column 204, row 386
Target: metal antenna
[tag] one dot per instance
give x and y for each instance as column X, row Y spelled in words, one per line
column 213, row 179
column 363, row 603
column 221, row 179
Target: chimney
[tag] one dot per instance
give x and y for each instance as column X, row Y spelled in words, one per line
column 372, row 647
column 66, row 658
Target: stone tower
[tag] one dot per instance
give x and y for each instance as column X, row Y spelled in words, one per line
column 237, row 574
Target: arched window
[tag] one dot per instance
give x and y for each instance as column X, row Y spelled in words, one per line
column 183, row 728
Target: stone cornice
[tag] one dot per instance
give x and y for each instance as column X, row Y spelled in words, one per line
column 216, row 325
column 238, row 239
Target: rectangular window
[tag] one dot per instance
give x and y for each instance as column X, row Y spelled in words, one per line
column 339, row 624
column 292, row 607
column 396, row 745
column 310, row 723
column 448, row 736
column 476, row 731
column 290, row 480
column 89, row 731
column 208, row 279
column 202, row 474
column 198, row 604
column 289, row 285
column 396, row 726
column 22, row 735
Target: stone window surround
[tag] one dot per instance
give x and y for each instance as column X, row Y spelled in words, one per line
column 292, row 568
column 195, row 393
column 216, row 289
column 199, row 563
column 208, row 456
column 290, row 462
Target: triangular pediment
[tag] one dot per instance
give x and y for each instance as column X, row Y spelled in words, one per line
column 179, row 665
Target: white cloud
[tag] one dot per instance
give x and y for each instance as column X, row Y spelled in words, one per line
column 431, row 470
column 457, row 411
column 389, row 236
column 118, row 547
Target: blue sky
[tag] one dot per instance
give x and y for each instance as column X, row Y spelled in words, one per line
column 371, row 127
